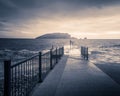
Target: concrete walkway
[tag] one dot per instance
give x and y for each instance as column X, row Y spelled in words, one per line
column 77, row 77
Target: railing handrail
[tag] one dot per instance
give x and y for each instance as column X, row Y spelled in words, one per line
column 37, row 67
column 27, row 59
column 45, row 53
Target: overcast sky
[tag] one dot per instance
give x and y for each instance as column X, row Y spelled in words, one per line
column 95, row 19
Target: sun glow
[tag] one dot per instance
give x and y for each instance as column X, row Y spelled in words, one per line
column 99, row 27
column 93, row 27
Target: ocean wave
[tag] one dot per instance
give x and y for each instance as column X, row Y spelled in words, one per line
column 116, row 45
column 16, row 55
column 96, row 52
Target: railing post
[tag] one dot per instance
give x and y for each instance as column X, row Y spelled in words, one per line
column 82, row 51
column 87, row 53
column 40, row 66
column 56, row 56
column 7, row 78
column 51, row 59
column 62, row 51
column 59, row 52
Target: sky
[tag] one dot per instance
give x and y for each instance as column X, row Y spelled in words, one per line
column 94, row 19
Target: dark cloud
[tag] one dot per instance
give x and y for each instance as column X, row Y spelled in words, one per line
column 93, row 2
column 81, row 2
column 12, row 7
column 6, row 10
column 26, row 3
column 18, row 11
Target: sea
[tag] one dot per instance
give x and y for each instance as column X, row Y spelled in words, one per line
column 100, row 50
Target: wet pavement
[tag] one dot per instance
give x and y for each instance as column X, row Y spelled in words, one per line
column 77, row 77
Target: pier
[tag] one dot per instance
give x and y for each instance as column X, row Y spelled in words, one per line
column 74, row 76
column 71, row 74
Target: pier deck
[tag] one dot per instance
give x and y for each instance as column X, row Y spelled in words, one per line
column 73, row 76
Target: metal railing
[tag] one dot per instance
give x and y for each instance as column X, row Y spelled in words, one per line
column 84, row 52
column 20, row 78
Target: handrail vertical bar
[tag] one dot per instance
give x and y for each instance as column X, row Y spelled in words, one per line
column 62, row 51
column 87, row 53
column 40, row 66
column 51, row 66
column 56, row 56
column 7, row 78
column 25, row 72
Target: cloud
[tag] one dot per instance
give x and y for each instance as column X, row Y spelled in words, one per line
column 59, row 4
column 30, row 8
column 6, row 9
column 35, row 17
column 80, row 3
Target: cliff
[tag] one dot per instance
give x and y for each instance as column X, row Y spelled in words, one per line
column 55, row 36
